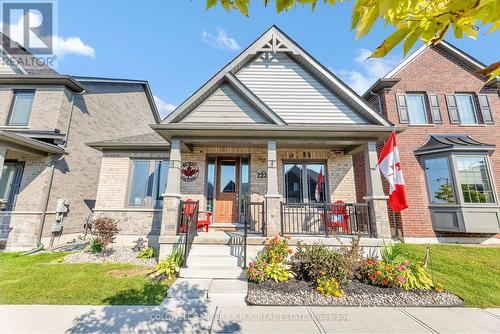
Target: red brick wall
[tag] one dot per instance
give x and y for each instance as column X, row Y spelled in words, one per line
column 435, row 72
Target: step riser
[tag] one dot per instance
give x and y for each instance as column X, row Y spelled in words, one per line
column 196, row 272
column 206, row 261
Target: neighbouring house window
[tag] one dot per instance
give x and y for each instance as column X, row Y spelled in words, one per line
column 416, row 109
column 301, row 182
column 21, row 107
column 474, row 179
column 210, row 184
column 10, row 183
column 466, row 110
column 148, row 182
column 439, row 181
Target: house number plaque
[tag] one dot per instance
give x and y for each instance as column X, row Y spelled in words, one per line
column 262, row 174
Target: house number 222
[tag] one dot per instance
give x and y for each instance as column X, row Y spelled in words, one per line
column 262, row 175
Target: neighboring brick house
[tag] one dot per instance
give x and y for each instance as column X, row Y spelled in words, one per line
column 46, row 119
column 451, row 121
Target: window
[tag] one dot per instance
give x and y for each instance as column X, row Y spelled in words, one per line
column 10, row 183
column 21, row 107
column 148, row 182
column 301, row 182
column 416, row 109
column 439, row 181
column 474, row 179
column 210, row 184
column 466, row 110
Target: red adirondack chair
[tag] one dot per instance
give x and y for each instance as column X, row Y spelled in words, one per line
column 338, row 218
column 188, row 211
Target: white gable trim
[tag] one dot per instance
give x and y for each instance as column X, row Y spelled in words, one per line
column 278, row 41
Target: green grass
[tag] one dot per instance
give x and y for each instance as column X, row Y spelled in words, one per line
column 32, row 280
column 472, row 273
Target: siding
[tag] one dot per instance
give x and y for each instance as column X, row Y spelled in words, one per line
column 293, row 93
column 225, row 105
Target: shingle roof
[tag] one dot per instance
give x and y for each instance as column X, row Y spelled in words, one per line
column 452, row 142
column 145, row 140
column 24, row 57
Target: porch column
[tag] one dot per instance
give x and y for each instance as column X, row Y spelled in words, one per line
column 172, row 194
column 375, row 195
column 273, row 198
column 3, row 153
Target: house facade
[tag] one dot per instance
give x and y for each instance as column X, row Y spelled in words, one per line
column 273, row 129
column 448, row 149
column 49, row 175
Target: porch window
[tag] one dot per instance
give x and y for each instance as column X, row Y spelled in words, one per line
column 10, row 183
column 301, row 182
column 474, row 179
column 21, row 107
column 148, row 183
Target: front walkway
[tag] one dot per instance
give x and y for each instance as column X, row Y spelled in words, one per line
column 193, row 316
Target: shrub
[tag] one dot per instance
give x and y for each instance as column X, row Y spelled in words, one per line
column 105, row 231
column 147, row 253
column 354, row 261
column 390, row 253
column 329, row 286
column 166, row 267
column 276, row 249
column 382, row 274
column 313, row 260
column 256, row 271
column 403, row 274
column 95, row 246
column 278, row 272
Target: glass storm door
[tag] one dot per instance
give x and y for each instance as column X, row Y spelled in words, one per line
column 226, row 206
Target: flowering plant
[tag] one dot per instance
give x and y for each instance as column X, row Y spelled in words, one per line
column 256, row 271
column 276, row 249
column 403, row 274
column 329, row 286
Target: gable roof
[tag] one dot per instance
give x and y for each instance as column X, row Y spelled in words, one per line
column 275, row 40
column 444, row 46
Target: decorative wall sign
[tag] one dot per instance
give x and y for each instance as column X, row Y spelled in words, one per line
column 189, row 171
column 262, row 174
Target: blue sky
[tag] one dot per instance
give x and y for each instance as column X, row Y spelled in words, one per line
column 177, row 46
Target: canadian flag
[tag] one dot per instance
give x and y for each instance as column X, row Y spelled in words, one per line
column 391, row 169
column 321, row 180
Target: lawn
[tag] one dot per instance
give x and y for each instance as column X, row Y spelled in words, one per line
column 471, row 272
column 32, row 280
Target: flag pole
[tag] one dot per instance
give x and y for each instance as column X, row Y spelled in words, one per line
column 396, row 233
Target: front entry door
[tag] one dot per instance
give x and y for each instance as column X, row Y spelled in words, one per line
column 226, row 205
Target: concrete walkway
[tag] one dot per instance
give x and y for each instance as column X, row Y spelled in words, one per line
column 191, row 316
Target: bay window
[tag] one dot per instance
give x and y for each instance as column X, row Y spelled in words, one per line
column 474, row 179
column 301, row 182
column 148, row 182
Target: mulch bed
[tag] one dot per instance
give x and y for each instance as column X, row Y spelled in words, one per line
column 295, row 292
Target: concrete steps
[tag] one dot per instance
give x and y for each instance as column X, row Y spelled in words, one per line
column 211, row 272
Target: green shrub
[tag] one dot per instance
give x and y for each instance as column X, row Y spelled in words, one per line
column 353, row 259
column 329, row 286
column 390, row 253
column 105, row 230
column 95, row 246
column 314, row 260
column 166, row 267
column 278, row 272
column 403, row 274
column 147, row 253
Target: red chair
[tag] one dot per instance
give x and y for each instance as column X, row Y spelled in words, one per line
column 188, row 211
column 338, row 217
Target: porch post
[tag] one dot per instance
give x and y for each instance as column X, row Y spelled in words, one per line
column 172, row 194
column 375, row 195
column 273, row 198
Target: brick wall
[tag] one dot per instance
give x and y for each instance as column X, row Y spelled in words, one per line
column 434, row 72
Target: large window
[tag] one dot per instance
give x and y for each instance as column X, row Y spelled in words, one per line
column 210, row 184
column 466, row 110
column 474, row 179
column 148, row 182
column 301, row 182
column 439, row 181
column 21, row 107
column 416, row 109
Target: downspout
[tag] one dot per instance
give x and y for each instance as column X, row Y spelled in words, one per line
column 379, row 101
column 68, row 127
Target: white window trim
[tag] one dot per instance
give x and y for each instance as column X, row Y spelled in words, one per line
column 474, row 110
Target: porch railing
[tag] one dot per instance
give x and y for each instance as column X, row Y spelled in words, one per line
column 255, row 223
column 325, row 218
column 188, row 224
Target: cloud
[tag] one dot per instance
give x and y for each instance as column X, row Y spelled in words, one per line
column 164, row 108
column 367, row 70
column 72, row 45
column 62, row 45
column 221, row 41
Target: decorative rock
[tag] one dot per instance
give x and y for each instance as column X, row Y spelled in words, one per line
column 115, row 254
column 295, row 292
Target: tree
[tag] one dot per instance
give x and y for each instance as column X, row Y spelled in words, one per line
column 428, row 20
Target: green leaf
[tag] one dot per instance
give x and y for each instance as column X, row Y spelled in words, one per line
column 242, row 6
column 367, row 21
column 283, row 4
column 390, row 42
column 211, row 3
column 410, row 41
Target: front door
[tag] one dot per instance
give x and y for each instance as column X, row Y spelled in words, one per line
column 226, row 199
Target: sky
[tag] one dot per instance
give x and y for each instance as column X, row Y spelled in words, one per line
column 177, row 45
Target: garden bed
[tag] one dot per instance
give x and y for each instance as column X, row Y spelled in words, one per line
column 114, row 254
column 297, row 292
